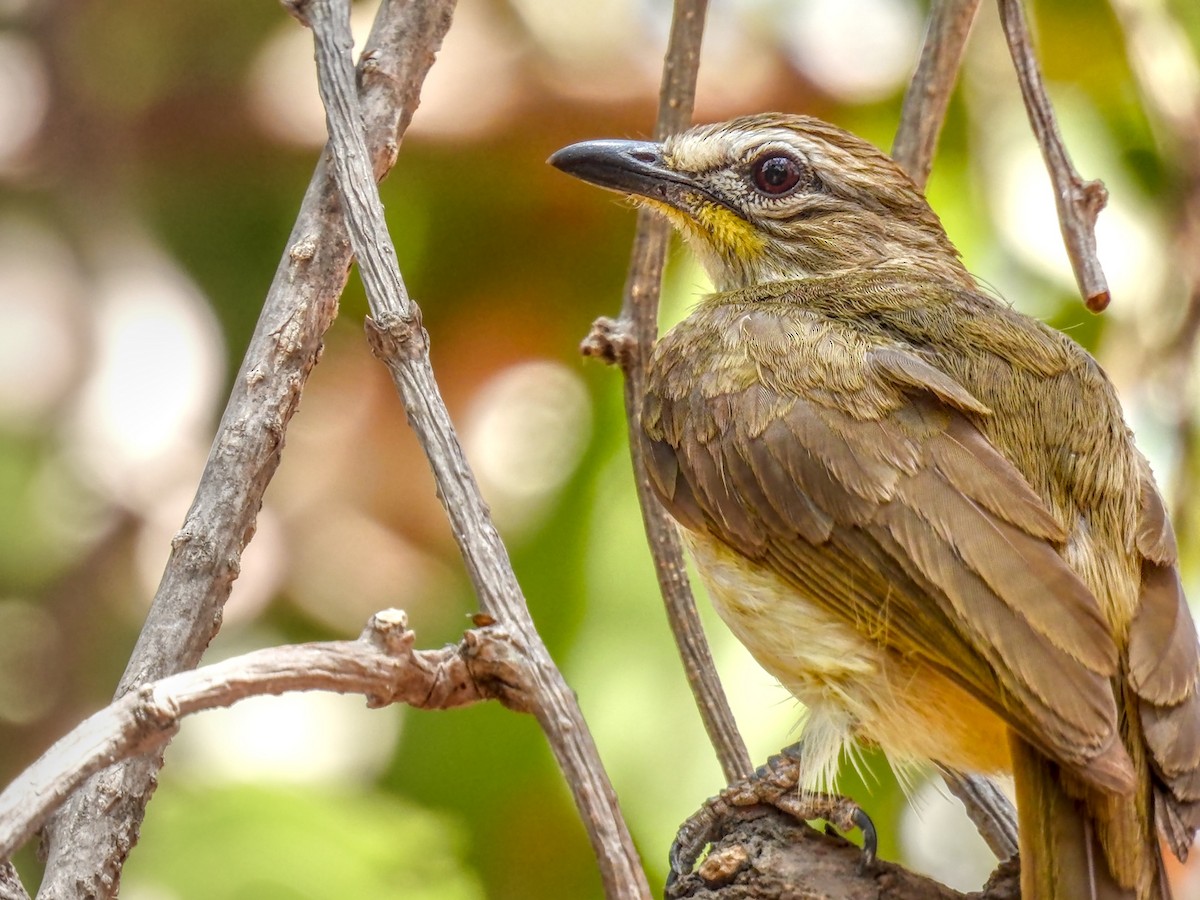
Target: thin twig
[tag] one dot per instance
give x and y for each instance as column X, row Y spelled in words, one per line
column 628, row 341
column 401, row 342
column 89, row 840
column 1079, row 202
column 928, row 94
column 382, row 665
column 989, row 809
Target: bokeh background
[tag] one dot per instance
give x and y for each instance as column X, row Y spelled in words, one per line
column 152, row 158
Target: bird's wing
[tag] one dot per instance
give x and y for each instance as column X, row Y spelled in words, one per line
column 868, row 486
column 1164, row 670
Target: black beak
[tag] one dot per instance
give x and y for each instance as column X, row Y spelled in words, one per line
column 631, row 167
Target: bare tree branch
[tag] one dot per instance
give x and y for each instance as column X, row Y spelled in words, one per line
column 400, row 341
column 10, row 885
column 628, row 341
column 928, row 94
column 381, row 664
column 89, row 840
column 1079, row 202
column 989, row 809
column 777, row 784
column 765, row 854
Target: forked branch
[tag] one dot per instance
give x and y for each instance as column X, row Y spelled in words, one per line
column 90, row 838
column 1079, row 202
column 382, row 665
column 399, row 340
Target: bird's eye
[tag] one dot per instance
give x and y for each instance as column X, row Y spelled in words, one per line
column 777, row 175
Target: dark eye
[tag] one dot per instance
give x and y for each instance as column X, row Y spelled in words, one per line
column 776, row 175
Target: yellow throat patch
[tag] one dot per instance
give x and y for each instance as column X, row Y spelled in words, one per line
column 728, row 234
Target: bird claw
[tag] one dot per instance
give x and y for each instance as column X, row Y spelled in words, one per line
column 856, row 818
column 777, row 784
column 869, row 835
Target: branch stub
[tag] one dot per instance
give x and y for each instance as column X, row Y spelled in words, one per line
column 611, row 341
column 394, row 336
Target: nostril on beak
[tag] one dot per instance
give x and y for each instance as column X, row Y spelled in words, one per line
column 644, row 156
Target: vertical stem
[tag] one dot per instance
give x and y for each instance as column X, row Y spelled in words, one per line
column 1079, row 202
column 928, row 94
column 639, row 318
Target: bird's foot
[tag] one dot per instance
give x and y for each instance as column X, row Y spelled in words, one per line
column 775, row 784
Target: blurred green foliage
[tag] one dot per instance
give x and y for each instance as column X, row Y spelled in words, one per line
column 307, row 842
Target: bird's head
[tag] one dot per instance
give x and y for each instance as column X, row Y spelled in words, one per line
column 774, row 197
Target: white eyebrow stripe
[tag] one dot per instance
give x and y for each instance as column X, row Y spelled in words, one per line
column 703, row 151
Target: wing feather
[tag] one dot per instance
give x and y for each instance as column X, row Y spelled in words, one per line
column 1022, row 570
column 878, row 506
column 972, row 466
column 1164, row 673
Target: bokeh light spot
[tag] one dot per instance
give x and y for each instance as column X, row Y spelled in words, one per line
column 856, row 50
column 524, row 434
column 347, row 565
column 39, row 306
column 939, row 840
column 294, row 737
column 23, row 98
column 157, row 363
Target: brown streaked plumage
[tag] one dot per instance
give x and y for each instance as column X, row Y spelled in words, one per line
column 921, row 510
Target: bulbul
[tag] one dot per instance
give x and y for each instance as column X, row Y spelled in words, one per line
column 920, row 509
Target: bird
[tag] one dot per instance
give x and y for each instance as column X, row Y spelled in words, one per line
column 920, row 509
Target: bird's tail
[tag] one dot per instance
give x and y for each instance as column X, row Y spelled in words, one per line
column 1078, row 844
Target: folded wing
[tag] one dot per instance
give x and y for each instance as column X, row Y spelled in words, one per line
column 875, row 493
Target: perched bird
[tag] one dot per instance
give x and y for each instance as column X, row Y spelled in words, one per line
column 921, row 510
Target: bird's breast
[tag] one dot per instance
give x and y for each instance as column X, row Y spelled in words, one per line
column 854, row 688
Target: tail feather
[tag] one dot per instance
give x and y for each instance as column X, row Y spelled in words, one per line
column 1063, row 833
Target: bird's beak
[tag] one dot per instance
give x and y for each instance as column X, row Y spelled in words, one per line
column 630, row 167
